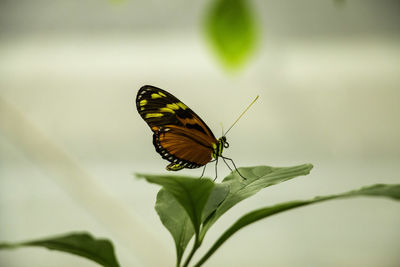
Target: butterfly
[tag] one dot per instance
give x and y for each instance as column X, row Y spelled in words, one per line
column 179, row 134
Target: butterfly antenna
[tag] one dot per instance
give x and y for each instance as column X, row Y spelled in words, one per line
column 241, row 115
column 222, row 127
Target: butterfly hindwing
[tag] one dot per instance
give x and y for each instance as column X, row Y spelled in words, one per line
column 186, row 148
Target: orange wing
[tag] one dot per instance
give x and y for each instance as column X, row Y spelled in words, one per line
column 180, row 145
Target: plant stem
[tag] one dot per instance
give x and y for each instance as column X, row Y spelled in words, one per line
column 196, row 245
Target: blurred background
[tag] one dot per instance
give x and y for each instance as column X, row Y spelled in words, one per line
column 328, row 76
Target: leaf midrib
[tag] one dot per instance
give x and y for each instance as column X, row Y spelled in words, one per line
column 69, row 248
column 195, row 223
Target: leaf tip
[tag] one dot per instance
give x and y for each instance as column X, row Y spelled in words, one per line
column 309, row 167
column 138, row 175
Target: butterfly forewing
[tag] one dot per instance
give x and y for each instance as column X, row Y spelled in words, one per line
column 158, row 108
column 180, row 135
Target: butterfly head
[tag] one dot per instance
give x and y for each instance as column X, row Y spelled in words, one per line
column 222, row 141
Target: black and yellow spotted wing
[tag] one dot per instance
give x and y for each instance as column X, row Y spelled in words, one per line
column 179, row 135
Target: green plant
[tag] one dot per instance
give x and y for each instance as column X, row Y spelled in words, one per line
column 188, row 207
column 231, row 29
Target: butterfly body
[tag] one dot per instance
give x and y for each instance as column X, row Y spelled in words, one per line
column 179, row 134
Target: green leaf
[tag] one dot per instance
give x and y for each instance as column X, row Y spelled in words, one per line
column 175, row 219
column 380, row 190
column 184, row 198
column 81, row 244
column 218, row 195
column 192, row 194
column 230, row 27
column 258, row 178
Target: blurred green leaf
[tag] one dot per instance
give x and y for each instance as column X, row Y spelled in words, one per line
column 81, row 244
column 339, row 2
column 258, row 178
column 231, row 29
column 380, row 190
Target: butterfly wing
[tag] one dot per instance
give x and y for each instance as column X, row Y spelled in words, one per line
column 185, row 149
column 180, row 135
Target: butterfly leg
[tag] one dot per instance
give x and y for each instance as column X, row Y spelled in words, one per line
column 226, row 163
column 234, row 165
column 202, row 173
column 216, row 170
column 204, row 169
